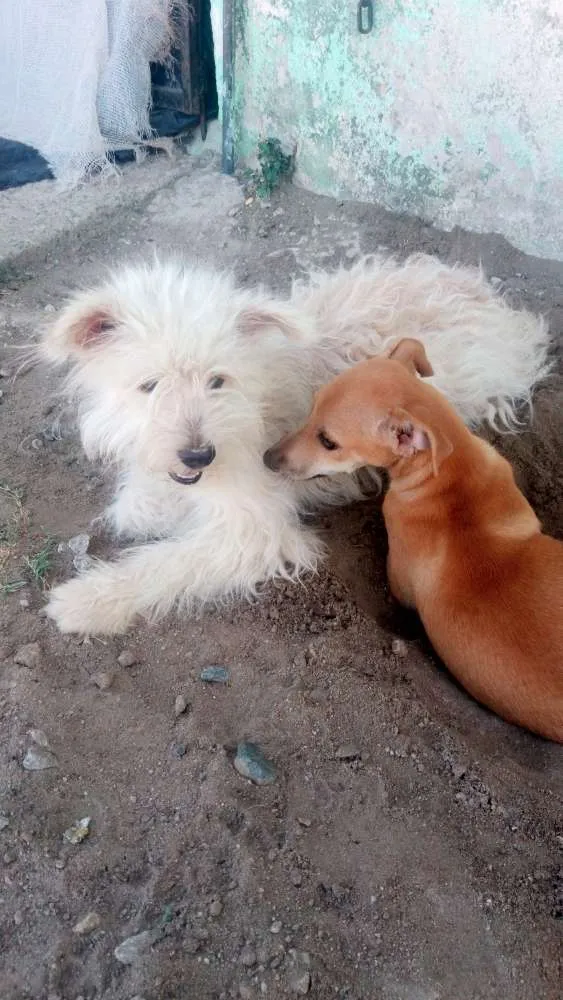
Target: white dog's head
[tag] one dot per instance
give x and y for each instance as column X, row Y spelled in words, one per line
column 173, row 368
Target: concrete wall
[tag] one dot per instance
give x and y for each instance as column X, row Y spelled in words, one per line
column 449, row 109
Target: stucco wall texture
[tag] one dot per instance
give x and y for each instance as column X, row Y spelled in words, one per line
column 447, row 109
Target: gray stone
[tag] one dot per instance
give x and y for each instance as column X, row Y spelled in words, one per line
column 87, row 924
column 79, row 544
column 214, row 675
column 39, row 759
column 248, row 957
column 180, row 705
column 251, row 763
column 127, row 658
column 216, row 908
column 298, row 972
column 399, row 647
column 132, row 949
column 103, row 680
column 28, row 655
column 78, row 831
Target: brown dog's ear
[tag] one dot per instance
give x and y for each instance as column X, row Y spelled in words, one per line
column 85, row 323
column 411, row 354
column 406, row 435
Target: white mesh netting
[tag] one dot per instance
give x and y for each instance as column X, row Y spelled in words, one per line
column 75, row 76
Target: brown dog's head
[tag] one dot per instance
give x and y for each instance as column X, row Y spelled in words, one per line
column 372, row 414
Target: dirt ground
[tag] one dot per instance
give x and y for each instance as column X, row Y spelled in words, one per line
column 411, row 845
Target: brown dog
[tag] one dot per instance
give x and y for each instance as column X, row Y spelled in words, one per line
column 465, row 548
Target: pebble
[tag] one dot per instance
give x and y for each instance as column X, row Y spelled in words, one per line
column 216, row 908
column 28, row 655
column 4, row 822
column 214, row 675
column 180, row 705
column 79, row 544
column 299, row 976
column 78, row 832
column 275, row 927
column 131, row 950
column 87, row 924
column 248, row 957
column 127, row 658
column 103, row 680
column 39, row 759
column 399, row 647
column 9, row 857
column 5, row 372
column 348, row 752
column 251, row 763
column 296, row 877
column 246, row 992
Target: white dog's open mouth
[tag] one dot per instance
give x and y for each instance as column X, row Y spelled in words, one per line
column 188, row 480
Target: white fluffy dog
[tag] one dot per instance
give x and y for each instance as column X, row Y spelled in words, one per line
column 183, row 381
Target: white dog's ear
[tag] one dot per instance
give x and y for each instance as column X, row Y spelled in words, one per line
column 255, row 319
column 87, row 322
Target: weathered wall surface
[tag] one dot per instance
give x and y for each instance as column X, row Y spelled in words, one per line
column 449, row 109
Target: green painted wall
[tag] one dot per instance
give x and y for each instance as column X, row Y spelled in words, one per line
column 448, row 109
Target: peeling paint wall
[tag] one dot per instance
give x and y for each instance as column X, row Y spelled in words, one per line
column 448, row 109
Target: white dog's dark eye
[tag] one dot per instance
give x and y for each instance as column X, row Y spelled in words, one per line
column 326, row 442
column 149, row 386
column 216, row 382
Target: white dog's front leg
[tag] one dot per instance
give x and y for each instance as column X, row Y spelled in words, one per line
column 150, row 579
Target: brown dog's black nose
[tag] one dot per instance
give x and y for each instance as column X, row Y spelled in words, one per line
column 273, row 459
column 197, row 458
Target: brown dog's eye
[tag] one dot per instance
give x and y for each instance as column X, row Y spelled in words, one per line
column 216, row 382
column 149, row 386
column 326, row 442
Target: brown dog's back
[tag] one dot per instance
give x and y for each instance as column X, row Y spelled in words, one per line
column 495, row 616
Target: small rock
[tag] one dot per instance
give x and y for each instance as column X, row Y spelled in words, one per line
column 248, row 957
column 78, row 832
column 87, row 924
column 216, row 908
column 37, row 444
column 9, row 857
column 40, row 738
column 79, row 544
column 304, row 822
column 127, row 658
column 275, row 927
column 24, row 603
column 296, row 877
column 39, row 759
column 82, row 563
column 5, row 372
column 4, row 822
column 18, row 918
column 103, row 680
column 299, row 976
column 179, row 750
column 131, row 950
column 180, row 705
column 49, row 308
column 246, row 992
column 251, row 763
column 214, row 675
column 60, row 864
column 399, row 647
column 28, row 655
column 348, row 752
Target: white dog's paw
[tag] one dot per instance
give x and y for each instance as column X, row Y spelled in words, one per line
column 81, row 606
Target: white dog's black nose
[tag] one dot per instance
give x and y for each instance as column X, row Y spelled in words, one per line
column 197, row 458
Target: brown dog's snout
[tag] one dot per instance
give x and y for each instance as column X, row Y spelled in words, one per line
column 273, row 459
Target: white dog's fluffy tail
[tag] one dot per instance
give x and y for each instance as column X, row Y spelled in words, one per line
column 487, row 357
